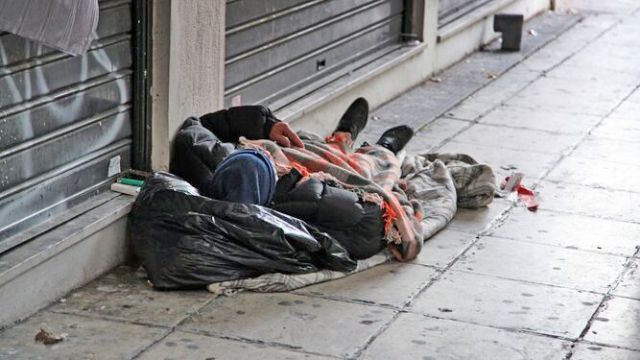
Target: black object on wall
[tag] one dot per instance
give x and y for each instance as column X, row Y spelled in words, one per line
column 510, row 25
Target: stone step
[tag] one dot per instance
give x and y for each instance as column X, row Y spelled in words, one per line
column 68, row 256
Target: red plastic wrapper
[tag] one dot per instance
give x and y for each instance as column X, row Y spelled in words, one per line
column 525, row 195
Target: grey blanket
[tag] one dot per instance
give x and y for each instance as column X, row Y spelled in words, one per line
column 435, row 184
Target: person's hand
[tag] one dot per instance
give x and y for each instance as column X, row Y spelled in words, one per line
column 283, row 135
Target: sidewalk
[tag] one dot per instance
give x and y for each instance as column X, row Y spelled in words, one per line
column 497, row 283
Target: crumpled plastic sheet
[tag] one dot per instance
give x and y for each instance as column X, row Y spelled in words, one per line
column 186, row 240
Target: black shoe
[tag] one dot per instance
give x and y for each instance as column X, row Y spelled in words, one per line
column 355, row 118
column 396, row 138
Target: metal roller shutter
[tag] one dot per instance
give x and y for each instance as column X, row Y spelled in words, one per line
column 276, row 47
column 63, row 120
column 451, row 10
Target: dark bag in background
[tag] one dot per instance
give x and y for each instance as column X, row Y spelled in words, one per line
column 185, row 240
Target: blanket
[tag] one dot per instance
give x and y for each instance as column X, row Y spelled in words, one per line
column 369, row 169
column 429, row 186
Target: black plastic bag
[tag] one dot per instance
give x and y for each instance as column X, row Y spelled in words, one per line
column 185, row 240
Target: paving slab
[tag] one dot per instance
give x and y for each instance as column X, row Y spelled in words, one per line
column 540, row 119
column 586, row 351
column 606, row 72
column 476, row 220
column 570, row 231
column 580, row 97
column 422, row 104
column 630, row 284
column 124, row 295
column 597, row 173
column 505, row 161
column 590, row 27
column 542, row 264
column 617, row 324
column 391, row 284
column 505, row 86
column 183, row 345
column 634, row 98
column 414, row 336
column 471, row 109
column 625, row 152
column 617, row 46
column 434, row 134
column 609, row 64
column 618, row 128
column 441, row 249
column 87, row 338
column 498, row 302
column 494, row 94
column 550, row 56
column 580, row 199
column 517, row 139
column 314, row 325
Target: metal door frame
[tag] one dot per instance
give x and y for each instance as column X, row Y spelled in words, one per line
column 141, row 150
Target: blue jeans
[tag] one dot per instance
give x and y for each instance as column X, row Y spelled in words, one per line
column 245, row 176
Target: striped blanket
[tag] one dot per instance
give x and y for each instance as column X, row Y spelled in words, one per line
column 369, row 169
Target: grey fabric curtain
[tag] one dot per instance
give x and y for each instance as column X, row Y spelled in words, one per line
column 66, row 25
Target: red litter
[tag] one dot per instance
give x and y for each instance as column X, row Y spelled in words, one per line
column 525, row 195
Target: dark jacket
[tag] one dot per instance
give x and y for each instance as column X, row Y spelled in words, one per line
column 202, row 143
column 357, row 225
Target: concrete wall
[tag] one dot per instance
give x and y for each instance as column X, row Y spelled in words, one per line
column 63, row 259
column 188, row 67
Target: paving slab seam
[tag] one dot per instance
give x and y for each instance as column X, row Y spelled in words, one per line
column 539, row 283
column 373, row 337
column 626, row 297
column 110, row 319
column 439, row 275
column 599, row 217
column 477, row 237
column 453, row 117
column 603, row 303
column 173, row 328
column 504, row 237
column 368, row 302
column 587, row 342
column 505, row 328
column 241, row 339
column 598, row 187
column 351, row 301
column 347, row 300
